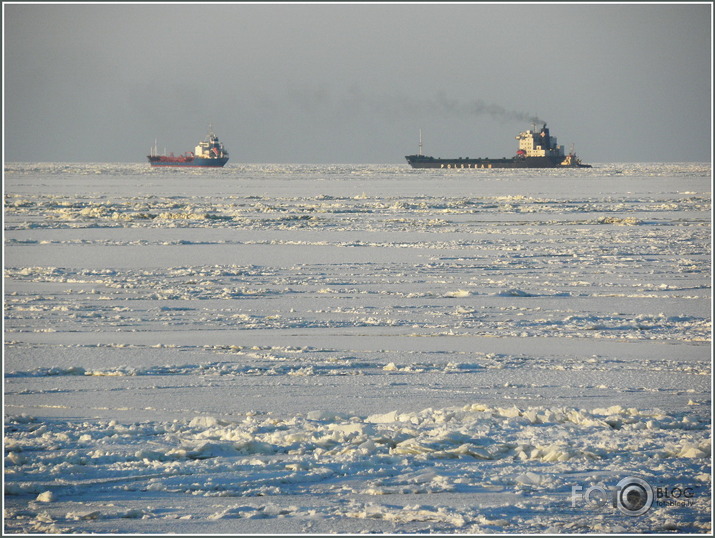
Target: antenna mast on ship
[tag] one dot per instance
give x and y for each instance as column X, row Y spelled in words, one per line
column 420, row 151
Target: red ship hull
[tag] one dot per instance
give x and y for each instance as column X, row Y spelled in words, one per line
column 187, row 161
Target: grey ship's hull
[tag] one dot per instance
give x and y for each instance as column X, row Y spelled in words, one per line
column 422, row 161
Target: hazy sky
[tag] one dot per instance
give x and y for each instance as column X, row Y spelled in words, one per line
column 351, row 83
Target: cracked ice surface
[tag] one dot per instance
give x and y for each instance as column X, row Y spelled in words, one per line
column 339, row 348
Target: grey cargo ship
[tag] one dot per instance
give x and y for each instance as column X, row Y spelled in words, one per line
column 536, row 150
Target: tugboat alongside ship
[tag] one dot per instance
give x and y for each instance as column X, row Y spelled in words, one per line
column 207, row 154
column 536, row 150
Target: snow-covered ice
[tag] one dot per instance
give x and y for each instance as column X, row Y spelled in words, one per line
column 355, row 348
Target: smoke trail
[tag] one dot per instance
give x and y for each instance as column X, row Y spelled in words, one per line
column 479, row 108
column 393, row 107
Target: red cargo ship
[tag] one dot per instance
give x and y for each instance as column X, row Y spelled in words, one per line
column 209, row 153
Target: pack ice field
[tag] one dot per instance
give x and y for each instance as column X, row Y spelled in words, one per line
column 355, row 348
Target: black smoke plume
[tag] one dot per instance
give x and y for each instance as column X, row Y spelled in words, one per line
column 355, row 101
